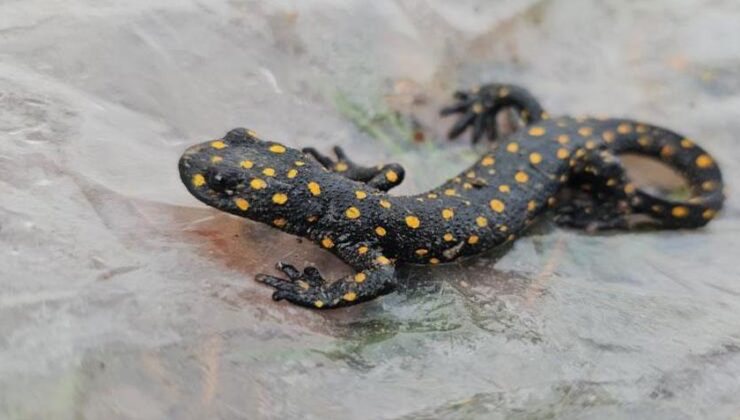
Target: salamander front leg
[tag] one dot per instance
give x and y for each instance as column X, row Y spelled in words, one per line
column 309, row 289
column 480, row 106
column 382, row 177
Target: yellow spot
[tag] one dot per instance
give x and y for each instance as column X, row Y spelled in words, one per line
column 360, row 277
column 450, row 192
column 521, row 177
column 503, row 228
column 198, row 180
column 280, row 198
column 421, row 252
column 563, row 139
column 413, row 222
column 470, row 174
column 318, row 304
column 246, row 164
column 448, row 237
column 216, row 159
column 448, row 214
column 292, row 173
column 257, row 184
column 327, row 243
column 277, row 148
column 563, row 153
column 629, row 188
column 609, row 136
column 497, row 206
column 503, row 92
column 680, row 211
column 312, row 219
column 537, row 131
column 280, row 222
column 708, row 214
column 242, row 204
column 531, row 205
column 585, row 131
column 551, row 201
column 481, row 221
column 299, row 163
column 644, row 141
column 687, row 144
column 708, row 185
column 380, row 231
column 704, row 161
column 382, row 260
column 251, row 133
column 433, row 261
column 512, row 147
column 467, row 186
column 362, row 250
column 349, row 296
column 361, row 195
column 477, row 108
column 385, row 204
column 590, row 145
column 504, row 188
column 391, row 176
column 218, row 144
column 535, row 158
column 473, row 239
column 268, row 172
column 314, row 188
column 667, row 151
column 488, row 161
column 341, row 167
column 431, row 195
column 624, row 128
column 352, row 213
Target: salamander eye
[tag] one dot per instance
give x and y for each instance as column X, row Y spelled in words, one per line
column 221, row 181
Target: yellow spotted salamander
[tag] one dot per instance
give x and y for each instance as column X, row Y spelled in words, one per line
column 345, row 207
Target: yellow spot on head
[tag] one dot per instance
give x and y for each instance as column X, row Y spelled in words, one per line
column 448, row 237
column 341, row 167
column 279, row 198
column 624, row 128
column 535, row 158
column 216, row 159
column 708, row 214
column 609, row 136
column 433, row 261
column 503, row 228
column 349, row 296
column 299, row 163
column 704, row 161
column 412, row 222
column 241, row 203
column 391, row 176
column 680, row 211
column 521, row 177
column 481, row 221
column 431, row 195
column 687, row 144
column 504, row 188
column 218, row 144
column 380, row 231
column 292, row 173
column 280, row 222
column 277, row 148
column 352, row 213
column 385, row 204
column 531, row 205
column 488, row 161
column 563, row 139
column 585, row 131
column 537, row 131
column 708, row 186
column 512, row 147
column 590, row 145
column 198, row 180
column 473, row 239
column 497, row 206
column 327, row 243
column 268, row 172
column 563, row 153
column 448, row 214
column 315, row 188
column 318, row 304
column 421, row 252
column 257, row 184
column 362, row 250
column 360, row 277
column 450, row 192
column 382, row 260
column 361, row 195
column 246, row 164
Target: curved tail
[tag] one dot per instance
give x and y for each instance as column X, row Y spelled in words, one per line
column 697, row 166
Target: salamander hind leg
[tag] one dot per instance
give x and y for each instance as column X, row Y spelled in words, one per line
column 382, row 177
column 309, row 289
column 478, row 109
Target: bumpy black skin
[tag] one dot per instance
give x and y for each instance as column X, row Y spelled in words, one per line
column 345, row 207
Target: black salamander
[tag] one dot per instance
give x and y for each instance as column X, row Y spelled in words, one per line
column 345, row 207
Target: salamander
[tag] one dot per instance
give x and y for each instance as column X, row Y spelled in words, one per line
column 345, row 207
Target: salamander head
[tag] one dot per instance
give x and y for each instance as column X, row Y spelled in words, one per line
column 261, row 180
